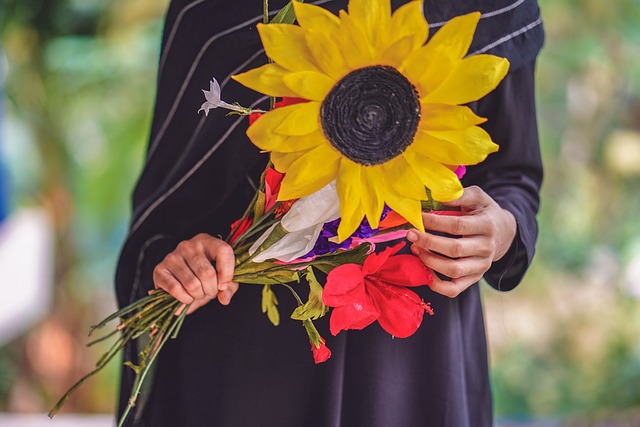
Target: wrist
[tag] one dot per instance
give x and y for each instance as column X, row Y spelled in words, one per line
column 507, row 228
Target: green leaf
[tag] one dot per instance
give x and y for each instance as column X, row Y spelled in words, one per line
column 286, row 14
column 277, row 277
column 312, row 332
column 275, row 236
column 269, row 305
column 314, row 308
column 328, row 262
column 433, row 205
column 133, row 366
column 258, row 208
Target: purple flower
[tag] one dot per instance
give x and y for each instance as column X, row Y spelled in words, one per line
column 326, row 241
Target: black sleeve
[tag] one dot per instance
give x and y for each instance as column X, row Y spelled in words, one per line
column 513, row 175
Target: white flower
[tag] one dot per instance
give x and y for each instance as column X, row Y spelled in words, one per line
column 303, row 224
column 213, row 99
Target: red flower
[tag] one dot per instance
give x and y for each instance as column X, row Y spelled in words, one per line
column 289, row 101
column 239, row 230
column 378, row 290
column 322, row 353
column 253, row 117
column 272, row 181
column 282, row 103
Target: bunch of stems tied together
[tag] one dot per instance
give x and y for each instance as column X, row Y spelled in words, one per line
column 158, row 317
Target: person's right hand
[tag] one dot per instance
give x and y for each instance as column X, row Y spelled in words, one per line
column 189, row 275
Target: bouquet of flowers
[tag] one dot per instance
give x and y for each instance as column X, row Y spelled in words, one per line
column 370, row 130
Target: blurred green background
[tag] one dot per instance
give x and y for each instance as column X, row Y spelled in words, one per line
column 79, row 82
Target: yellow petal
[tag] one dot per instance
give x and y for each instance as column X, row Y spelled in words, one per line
column 471, row 79
column 327, row 54
column 409, row 209
column 309, row 173
column 287, row 46
column 261, row 132
column 302, row 119
column 301, row 143
column 430, row 65
column 309, row 84
column 447, row 117
column 426, row 69
column 372, row 198
column 267, row 79
column 397, row 52
column 442, row 181
column 408, row 20
column 458, row 147
column 371, row 16
column 403, row 180
column 350, row 190
column 283, row 161
column 356, row 48
column 314, row 17
column 455, row 37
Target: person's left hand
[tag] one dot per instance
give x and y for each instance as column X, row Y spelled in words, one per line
column 480, row 234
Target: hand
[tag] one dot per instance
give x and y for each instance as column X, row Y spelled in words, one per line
column 480, row 234
column 189, row 276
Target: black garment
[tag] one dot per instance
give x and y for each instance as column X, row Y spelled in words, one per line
column 230, row 366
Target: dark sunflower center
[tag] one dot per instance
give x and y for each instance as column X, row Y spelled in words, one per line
column 371, row 115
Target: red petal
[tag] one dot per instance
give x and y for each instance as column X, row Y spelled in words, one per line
column 375, row 261
column 352, row 316
column 253, row 117
column 246, row 223
column 405, row 270
column 401, row 310
column 341, row 281
column 321, row 354
column 272, row 181
column 289, row 101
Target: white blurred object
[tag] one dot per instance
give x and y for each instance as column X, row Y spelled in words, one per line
column 26, row 271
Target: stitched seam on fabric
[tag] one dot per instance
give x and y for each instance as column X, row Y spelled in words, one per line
column 183, row 88
column 136, row 281
column 176, row 25
column 251, row 183
column 487, row 14
column 178, row 184
column 203, row 120
column 509, row 36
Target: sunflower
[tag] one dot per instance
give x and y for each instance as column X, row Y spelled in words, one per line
column 383, row 113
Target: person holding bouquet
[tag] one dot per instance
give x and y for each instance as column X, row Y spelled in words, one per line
column 229, row 366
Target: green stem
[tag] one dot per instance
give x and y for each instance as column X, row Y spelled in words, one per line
column 171, row 331
column 295, row 294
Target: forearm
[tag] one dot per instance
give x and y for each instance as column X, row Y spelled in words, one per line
column 513, row 175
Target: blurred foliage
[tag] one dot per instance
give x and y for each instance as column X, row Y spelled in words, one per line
column 564, row 345
column 79, row 96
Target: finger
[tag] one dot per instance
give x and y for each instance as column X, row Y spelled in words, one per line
column 180, row 309
column 204, row 271
column 453, row 268
column 224, row 258
column 179, row 268
column 472, row 197
column 225, row 296
column 463, row 225
column 164, row 279
column 450, row 246
column 452, row 288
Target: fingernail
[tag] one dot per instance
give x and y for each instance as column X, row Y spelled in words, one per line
column 415, row 250
column 223, row 286
column 412, row 236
